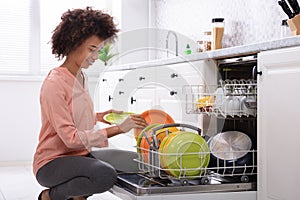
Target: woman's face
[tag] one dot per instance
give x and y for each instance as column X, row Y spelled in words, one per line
column 87, row 53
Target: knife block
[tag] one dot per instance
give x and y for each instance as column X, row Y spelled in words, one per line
column 294, row 24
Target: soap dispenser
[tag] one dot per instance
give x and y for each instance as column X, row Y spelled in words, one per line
column 188, row 50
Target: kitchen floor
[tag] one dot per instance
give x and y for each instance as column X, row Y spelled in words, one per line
column 18, row 183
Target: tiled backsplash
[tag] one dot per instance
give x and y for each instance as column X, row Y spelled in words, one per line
column 246, row 22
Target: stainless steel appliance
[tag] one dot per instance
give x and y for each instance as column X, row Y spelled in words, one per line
column 227, row 105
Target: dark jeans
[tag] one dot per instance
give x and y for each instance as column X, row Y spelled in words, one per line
column 76, row 176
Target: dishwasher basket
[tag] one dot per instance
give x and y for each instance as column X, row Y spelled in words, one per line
column 159, row 160
column 230, row 98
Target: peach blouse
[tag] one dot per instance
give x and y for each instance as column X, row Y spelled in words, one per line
column 68, row 119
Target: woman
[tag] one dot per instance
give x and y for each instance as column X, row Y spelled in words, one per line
column 63, row 161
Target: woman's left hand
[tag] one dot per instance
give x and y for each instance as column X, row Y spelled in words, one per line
column 100, row 115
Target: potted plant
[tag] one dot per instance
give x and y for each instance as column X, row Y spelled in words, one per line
column 105, row 55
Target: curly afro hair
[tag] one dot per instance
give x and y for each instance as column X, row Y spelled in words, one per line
column 76, row 26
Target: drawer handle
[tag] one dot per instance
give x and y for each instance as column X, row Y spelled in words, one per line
column 110, row 98
column 173, row 93
column 103, row 80
column 132, row 100
column 142, row 78
column 121, row 79
column 121, row 92
column 174, row 75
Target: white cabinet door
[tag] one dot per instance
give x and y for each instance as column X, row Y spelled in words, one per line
column 278, row 124
column 110, row 88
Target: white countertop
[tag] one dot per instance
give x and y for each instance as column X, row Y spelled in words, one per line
column 216, row 54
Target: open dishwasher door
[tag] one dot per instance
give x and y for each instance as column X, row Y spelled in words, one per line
column 141, row 187
column 154, row 181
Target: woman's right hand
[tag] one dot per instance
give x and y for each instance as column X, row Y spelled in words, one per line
column 133, row 121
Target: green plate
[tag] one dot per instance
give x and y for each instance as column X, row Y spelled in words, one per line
column 161, row 149
column 115, row 118
column 138, row 142
column 187, row 154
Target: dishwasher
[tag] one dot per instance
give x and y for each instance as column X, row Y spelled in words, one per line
column 226, row 107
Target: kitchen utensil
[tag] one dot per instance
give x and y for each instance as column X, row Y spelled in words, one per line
column 116, row 118
column 295, row 6
column 154, row 116
column 230, row 150
column 285, row 7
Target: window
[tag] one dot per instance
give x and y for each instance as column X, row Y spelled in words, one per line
column 25, row 31
column 15, row 22
column 51, row 12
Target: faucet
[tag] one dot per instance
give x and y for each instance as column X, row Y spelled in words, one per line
column 167, row 42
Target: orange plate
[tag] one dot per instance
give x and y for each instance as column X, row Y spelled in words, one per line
column 155, row 117
column 160, row 135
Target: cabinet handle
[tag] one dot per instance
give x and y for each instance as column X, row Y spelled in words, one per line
column 121, row 92
column 121, row 79
column 255, row 72
column 132, row 100
column 103, row 80
column 142, row 78
column 172, row 93
column 174, row 75
column 109, row 98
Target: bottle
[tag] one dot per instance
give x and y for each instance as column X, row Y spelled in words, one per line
column 284, row 29
column 217, row 33
column 188, row 50
column 207, row 41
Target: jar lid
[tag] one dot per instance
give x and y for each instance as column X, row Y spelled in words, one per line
column 217, row 20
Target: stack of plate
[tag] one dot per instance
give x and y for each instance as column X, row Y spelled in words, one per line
column 145, row 139
column 184, row 154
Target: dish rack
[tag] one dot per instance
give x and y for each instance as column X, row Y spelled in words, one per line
column 217, row 169
column 230, row 98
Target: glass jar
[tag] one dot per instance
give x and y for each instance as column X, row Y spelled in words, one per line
column 207, row 41
column 200, row 46
column 217, row 33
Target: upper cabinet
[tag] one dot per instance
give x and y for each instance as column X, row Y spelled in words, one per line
column 278, row 121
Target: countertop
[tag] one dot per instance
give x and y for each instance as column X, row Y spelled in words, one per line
column 216, row 54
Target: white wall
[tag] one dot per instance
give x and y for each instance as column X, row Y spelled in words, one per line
column 19, row 119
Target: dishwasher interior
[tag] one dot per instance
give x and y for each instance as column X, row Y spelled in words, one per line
column 229, row 165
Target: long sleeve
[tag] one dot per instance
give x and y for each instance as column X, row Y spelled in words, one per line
column 68, row 119
column 74, row 129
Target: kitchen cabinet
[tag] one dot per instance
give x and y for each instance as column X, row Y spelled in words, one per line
column 278, row 121
column 159, row 87
column 107, row 91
